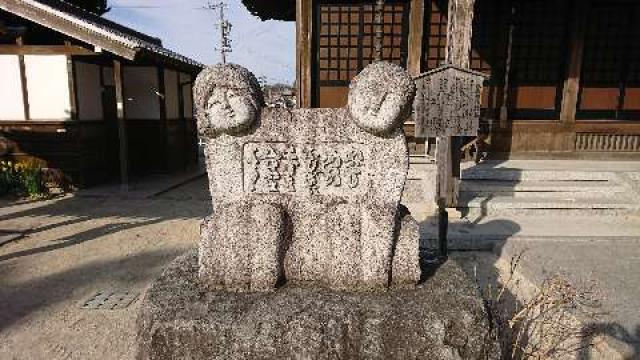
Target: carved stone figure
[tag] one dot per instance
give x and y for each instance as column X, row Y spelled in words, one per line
column 307, row 196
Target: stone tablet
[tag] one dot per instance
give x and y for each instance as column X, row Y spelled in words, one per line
column 448, row 102
column 306, row 196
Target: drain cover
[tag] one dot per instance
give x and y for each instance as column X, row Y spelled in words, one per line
column 110, row 300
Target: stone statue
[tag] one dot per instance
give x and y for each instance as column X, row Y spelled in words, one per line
column 309, row 196
column 309, row 199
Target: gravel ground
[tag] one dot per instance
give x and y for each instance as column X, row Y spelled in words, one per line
column 74, row 247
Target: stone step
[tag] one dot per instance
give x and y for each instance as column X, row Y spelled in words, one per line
column 479, row 173
column 488, row 242
column 509, row 205
column 551, row 186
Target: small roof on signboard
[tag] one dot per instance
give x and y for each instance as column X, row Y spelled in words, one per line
column 451, row 66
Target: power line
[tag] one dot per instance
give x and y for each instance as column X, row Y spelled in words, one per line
column 225, row 29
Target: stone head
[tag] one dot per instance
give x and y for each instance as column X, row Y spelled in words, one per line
column 228, row 99
column 380, row 97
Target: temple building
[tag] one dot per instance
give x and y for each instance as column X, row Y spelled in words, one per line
column 564, row 76
column 90, row 97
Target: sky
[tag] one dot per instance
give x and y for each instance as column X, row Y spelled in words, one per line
column 267, row 48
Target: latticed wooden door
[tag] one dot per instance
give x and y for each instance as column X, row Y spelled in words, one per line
column 610, row 79
column 344, row 44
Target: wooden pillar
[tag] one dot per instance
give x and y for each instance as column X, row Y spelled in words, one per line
column 576, row 46
column 504, row 108
column 459, row 31
column 415, row 37
column 122, row 126
column 162, row 103
column 23, row 81
column 183, row 123
column 304, row 36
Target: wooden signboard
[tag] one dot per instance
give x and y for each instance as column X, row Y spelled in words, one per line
column 447, row 102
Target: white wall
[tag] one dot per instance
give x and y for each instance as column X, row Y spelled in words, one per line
column 171, row 93
column 140, row 92
column 48, row 87
column 188, row 97
column 88, row 91
column 11, row 104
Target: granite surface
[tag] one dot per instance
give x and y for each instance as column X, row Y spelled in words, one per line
column 442, row 318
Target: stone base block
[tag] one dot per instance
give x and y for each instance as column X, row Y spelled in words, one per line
column 442, row 318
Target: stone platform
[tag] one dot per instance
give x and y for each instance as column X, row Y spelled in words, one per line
column 442, row 318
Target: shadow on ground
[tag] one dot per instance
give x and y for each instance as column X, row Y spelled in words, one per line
column 17, row 302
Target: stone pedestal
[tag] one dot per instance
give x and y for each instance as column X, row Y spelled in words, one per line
column 442, row 318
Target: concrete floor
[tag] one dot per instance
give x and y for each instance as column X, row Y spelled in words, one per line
column 75, row 246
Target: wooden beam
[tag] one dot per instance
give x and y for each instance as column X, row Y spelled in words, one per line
column 45, row 50
column 162, row 101
column 459, row 32
column 122, row 126
column 23, row 82
column 416, row 17
column 73, row 93
column 571, row 86
column 304, row 36
column 51, row 20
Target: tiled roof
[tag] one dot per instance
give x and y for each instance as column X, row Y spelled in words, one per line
column 92, row 29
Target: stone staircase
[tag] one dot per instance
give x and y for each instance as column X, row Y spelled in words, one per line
column 496, row 189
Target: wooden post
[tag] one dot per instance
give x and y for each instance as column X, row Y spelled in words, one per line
column 73, row 95
column 576, row 46
column 163, row 117
column 459, row 31
column 504, row 108
column 23, row 81
column 183, row 123
column 415, row 37
column 122, row 126
column 304, row 36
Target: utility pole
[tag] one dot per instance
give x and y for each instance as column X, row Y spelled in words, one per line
column 225, row 29
column 379, row 29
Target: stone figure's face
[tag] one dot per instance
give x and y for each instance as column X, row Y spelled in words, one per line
column 228, row 100
column 229, row 109
column 380, row 97
column 377, row 108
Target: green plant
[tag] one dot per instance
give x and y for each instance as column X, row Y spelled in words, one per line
column 21, row 178
column 31, row 176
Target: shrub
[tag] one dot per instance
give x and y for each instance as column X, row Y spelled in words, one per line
column 21, row 178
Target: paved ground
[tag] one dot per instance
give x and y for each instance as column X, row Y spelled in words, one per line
column 73, row 247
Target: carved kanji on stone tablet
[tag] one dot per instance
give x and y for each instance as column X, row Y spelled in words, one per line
column 310, row 196
column 447, row 102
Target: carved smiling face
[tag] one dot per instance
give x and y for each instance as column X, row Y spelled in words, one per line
column 228, row 99
column 380, row 97
column 230, row 109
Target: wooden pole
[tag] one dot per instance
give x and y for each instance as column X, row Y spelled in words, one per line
column 23, row 81
column 122, row 126
column 576, row 46
column 459, row 32
column 304, row 16
column 504, row 108
column 416, row 29
column 162, row 92
column 379, row 29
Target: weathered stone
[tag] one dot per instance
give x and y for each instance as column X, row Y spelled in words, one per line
column 447, row 102
column 334, row 177
column 443, row 318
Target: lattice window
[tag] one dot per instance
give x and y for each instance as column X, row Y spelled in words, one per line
column 435, row 35
column 346, row 38
column 490, row 31
column 604, row 46
column 539, row 42
column 610, row 79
